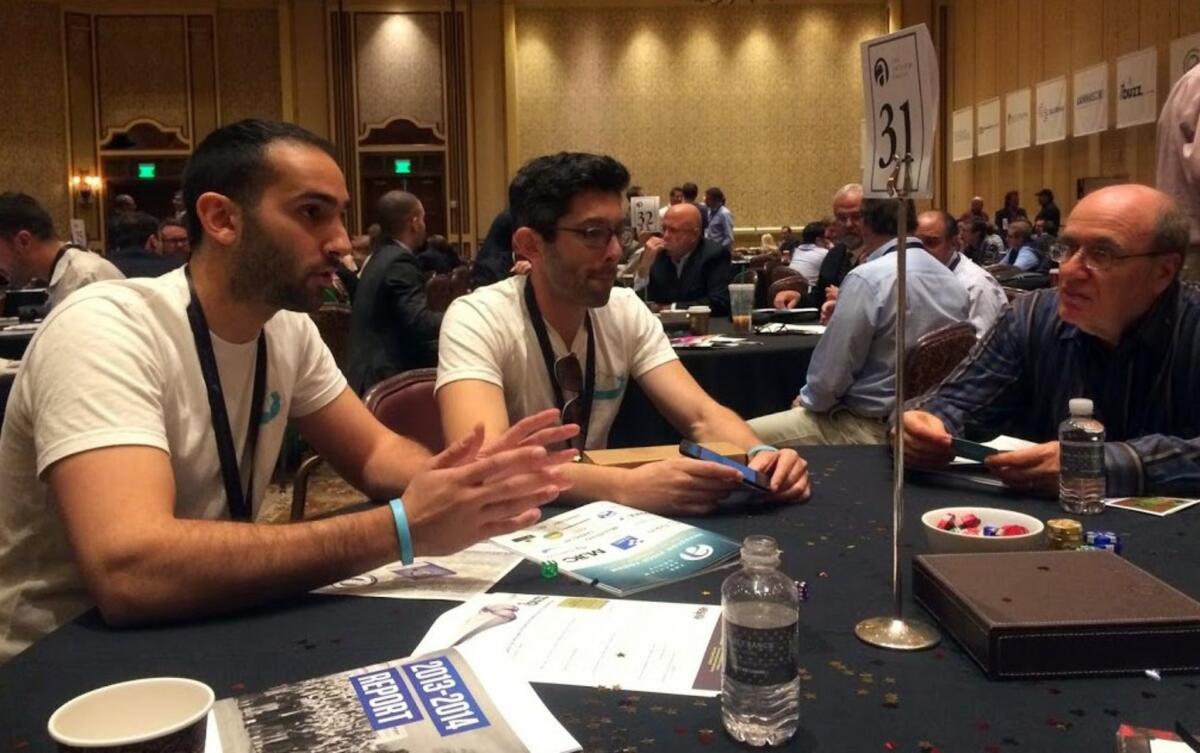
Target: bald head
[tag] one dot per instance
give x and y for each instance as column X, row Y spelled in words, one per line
column 681, row 229
column 1123, row 247
column 401, row 217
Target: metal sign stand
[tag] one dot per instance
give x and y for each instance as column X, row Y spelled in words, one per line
column 896, row 631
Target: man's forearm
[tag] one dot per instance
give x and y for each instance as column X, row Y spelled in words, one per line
column 189, row 568
column 594, row 482
column 391, row 466
column 719, row 424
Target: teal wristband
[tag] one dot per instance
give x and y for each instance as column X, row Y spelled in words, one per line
column 759, row 448
column 402, row 532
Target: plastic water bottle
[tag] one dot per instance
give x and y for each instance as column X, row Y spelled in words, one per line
column 760, row 690
column 1081, row 482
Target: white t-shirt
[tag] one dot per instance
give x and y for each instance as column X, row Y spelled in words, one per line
column 487, row 335
column 76, row 269
column 116, row 364
column 806, row 259
column 985, row 294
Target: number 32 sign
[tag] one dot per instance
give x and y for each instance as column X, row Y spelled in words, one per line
column 900, row 93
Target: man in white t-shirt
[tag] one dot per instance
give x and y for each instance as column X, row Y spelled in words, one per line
column 938, row 231
column 120, row 477
column 530, row 343
column 30, row 250
column 810, row 253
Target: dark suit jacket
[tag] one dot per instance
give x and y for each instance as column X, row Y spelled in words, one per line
column 836, row 265
column 391, row 327
column 704, row 281
column 438, row 262
column 495, row 256
column 135, row 261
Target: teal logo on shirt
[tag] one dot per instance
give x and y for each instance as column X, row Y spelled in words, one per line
column 272, row 410
column 613, row 393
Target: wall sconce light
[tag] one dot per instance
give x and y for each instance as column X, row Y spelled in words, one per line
column 85, row 186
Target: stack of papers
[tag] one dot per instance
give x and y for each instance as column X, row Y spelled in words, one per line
column 459, row 699
column 707, row 341
column 598, row 643
column 456, row 577
column 620, row 549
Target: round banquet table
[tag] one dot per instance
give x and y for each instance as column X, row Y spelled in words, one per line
column 753, row 379
column 839, row 543
column 13, row 344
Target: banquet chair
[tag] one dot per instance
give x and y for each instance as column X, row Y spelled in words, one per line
column 438, row 292
column 786, row 279
column 460, row 282
column 333, row 324
column 403, row 403
column 935, row 355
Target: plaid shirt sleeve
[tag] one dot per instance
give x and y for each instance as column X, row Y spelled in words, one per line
column 1153, row 464
column 986, row 389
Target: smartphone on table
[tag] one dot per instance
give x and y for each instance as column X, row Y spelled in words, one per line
column 750, row 477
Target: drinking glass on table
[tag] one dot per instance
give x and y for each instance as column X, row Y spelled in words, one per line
column 741, row 303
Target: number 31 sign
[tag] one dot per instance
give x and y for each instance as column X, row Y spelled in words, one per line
column 900, row 93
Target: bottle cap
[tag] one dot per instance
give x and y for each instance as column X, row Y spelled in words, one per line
column 1080, row 406
column 760, row 550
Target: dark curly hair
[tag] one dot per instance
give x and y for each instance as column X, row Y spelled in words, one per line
column 542, row 189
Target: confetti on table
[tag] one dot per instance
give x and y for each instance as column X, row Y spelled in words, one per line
column 680, row 729
column 705, row 736
column 891, row 700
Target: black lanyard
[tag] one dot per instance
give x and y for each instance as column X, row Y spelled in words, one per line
column 954, row 262
column 589, row 370
column 57, row 258
column 239, row 499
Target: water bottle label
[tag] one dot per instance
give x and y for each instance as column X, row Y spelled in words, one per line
column 761, row 656
column 1082, row 459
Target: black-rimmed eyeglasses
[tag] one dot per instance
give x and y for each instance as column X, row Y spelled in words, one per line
column 595, row 237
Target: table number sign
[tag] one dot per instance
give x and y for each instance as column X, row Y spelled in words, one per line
column 900, row 92
column 643, row 214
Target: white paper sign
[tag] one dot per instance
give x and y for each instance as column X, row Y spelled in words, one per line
column 1185, row 55
column 643, row 214
column 900, row 92
column 1091, row 100
column 1051, row 122
column 1016, row 120
column 964, row 134
column 987, row 127
column 79, row 233
column 1137, row 98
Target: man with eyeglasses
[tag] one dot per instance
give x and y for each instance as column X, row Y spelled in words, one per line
column 683, row 267
column 1120, row 329
column 1021, row 252
column 564, row 338
column 173, row 239
column 845, row 254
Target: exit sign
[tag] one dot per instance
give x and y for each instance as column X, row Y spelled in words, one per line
column 402, row 167
column 147, row 170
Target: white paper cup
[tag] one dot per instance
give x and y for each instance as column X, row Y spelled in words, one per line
column 151, row 715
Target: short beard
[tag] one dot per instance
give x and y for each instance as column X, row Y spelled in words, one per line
column 572, row 289
column 265, row 272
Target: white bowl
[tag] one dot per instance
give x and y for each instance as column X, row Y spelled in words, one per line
column 946, row 542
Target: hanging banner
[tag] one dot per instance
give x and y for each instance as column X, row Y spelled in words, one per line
column 1051, row 122
column 1185, row 55
column 1091, row 100
column 964, row 134
column 987, row 127
column 1016, row 120
column 900, row 100
column 1137, row 97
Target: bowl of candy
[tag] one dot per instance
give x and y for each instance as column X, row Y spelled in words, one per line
column 981, row 529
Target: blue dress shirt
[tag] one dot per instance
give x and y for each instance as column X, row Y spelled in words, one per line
column 1024, row 258
column 720, row 227
column 854, row 364
column 1020, row 377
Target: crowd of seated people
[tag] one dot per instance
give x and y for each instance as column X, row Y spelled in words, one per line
column 133, row 476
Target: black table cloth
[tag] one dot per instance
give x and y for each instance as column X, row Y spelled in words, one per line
column 854, row 698
column 750, row 379
column 13, row 344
